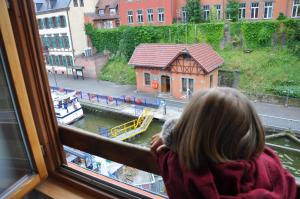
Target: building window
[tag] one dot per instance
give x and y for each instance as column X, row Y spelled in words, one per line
column 254, row 10
column 57, row 22
column 40, row 24
column 268, row 10
column 296, row 8
column 184, row 14
column 218, row 8
column 130, row 17
column 140, row 16
column 69, row 60
column 187, row 85
column 206, row 12
column 53, row 41
column 112, row 11
column 150, row 15
column 61, row 42
column 81, row 3
column 211, row 81
column 54, row 24
column 66, row 41
column 147, row 79
column 242, row 11
column 101, row 12
column 75, row 3
column 108, row 24
column 46, row 23
column 161, row 14
column 63, row 21
column 57, row 43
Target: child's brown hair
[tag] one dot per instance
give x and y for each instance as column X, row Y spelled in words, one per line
column 218, row 125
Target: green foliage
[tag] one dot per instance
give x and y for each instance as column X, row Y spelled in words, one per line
column 259, row 34
column 265, row 70
column 213, row 16
column 213, row 33
column 232, row 10
column 194, row 11
column 281, row 17
column 293, row 36
column 117, row 70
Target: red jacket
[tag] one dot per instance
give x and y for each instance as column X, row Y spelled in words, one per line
column 262, row 178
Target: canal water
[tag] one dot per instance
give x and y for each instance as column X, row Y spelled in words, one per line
column 94, row 120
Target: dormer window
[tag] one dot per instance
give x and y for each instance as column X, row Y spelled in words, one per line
column 101, row 12
column 38, row 6
column 112, row 11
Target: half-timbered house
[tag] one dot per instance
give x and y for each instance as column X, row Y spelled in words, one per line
column 177, row 70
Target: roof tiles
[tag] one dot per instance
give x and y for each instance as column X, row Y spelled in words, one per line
column 160, row 55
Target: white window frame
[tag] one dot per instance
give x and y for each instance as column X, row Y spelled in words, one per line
column 101, row 12
column 140, row 16
column 254, row 10
column 187, row 84
column 206, row 10
column 268, row 11
column 161, row 15
column 150, row 16
column 130, row 17
column 296, row 7
column 112, row 11
column 107, row 24
column 218, row 8
column 242, row 11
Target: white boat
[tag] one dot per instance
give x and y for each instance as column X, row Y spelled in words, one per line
column 67, row 108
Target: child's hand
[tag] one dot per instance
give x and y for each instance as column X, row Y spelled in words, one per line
column 157, row 144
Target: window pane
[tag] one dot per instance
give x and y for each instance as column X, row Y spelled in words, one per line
column 15, row 161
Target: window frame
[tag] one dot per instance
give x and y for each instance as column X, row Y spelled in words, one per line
column 75, row 3
column 140, row 16
column 8, row 41
column 184, row 16
column 267, row 9
column 206, row 12
column 254, row 10
column 52, row 135
column 150, row 15
column 297, row 6
column 219, row 11
column 130, row 19
column 242, row 10
column 161, row 15
column 146, row 79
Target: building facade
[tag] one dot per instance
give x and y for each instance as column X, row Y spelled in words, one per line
column 166, row 12
column 61, row 29
column 106, row 14
column 177, row 70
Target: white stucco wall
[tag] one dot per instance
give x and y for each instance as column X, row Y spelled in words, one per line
column 76, row 19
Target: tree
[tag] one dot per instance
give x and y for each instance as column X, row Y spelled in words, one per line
column 194, row 11
column 232, row 10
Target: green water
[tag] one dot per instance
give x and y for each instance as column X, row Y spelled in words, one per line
column 94, row 120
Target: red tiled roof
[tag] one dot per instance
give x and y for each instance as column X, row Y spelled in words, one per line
column 101, row 4
column 161, row 55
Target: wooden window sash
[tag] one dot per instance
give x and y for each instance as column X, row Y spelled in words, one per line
column 51, row 135
column 9, row 44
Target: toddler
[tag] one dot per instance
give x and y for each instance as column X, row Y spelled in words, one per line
column 216, row 149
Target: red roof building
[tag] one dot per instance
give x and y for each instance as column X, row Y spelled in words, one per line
column 166, row 12
column 175, row 69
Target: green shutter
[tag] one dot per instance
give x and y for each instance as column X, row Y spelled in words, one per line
column 61, row 42
column 66, row 42
column 64, row 21
column 64, row 59
column 46, row 41
column 57, row 60
column 71, row 61
column 43, row 23
column 53, row 42
column 57, row 22
column 50, row 23
column 50, row 60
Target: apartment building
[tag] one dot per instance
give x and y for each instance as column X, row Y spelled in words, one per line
column 61, row 29
column 165, row 12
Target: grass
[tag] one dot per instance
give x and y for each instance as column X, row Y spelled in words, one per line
column 117, row 70
column 264, row 69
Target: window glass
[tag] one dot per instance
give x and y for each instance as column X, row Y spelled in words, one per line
column 254, row 10
column 15, row 160
column 140, row 16
column 242, row 11
column 81, row 3
column 161, row 14
column 75, row 3
column 206, row 11
column 150, row 15
column 130, row 17
column 268, row 12
column 296, row 8
column 101, row 12
column 147, row 79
